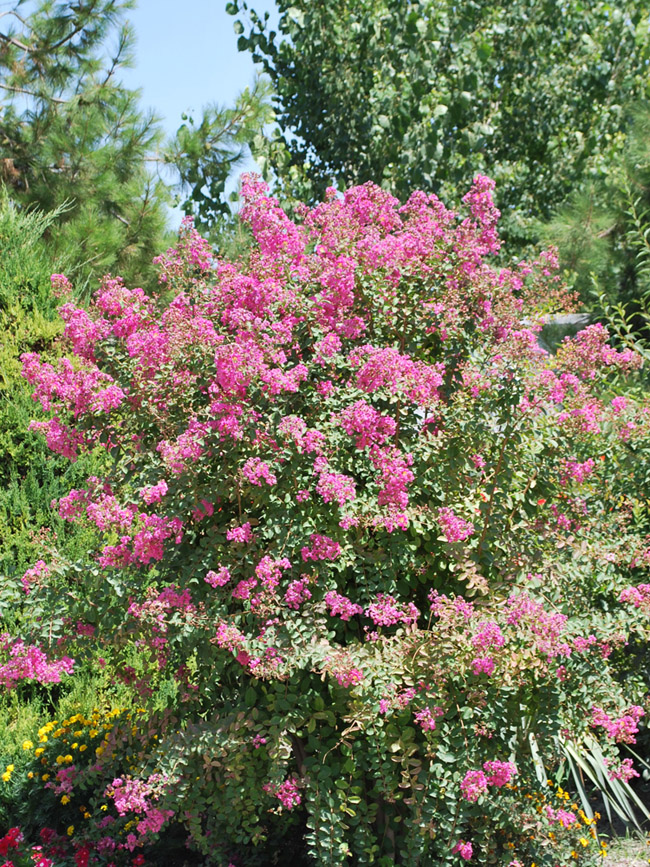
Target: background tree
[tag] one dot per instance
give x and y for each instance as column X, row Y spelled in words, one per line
column 70, row 131
column 424, row 94
column 30, row 476
column 603, row 233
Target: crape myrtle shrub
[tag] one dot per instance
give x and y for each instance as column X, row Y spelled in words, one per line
column 378, row 553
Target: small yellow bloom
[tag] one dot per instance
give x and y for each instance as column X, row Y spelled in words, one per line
column 6, row 776
column 583, row 841
column 45, row 777
column 99, row 751
column 60, row 760
column 39, row 752
column 70, row 830
column 86, row 815
column 10, row 768
column 75, row 745
column 103, row 807
column 43, row 739
column 67, row 759
column 82, row 748
column 65, row 799
column 30, row 775
column 27, row 745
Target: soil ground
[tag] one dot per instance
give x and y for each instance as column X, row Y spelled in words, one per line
column 628, row 852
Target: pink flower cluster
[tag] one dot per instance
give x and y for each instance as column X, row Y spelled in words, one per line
column 578, row 472
column 240, row 535
column 387, row 611
column 454, row 528
column 219, row 578
column 341, row 606
column 320, row 548
column 623, row 771
column 349, row 676
column 297, row 592
column 29, row 662
column 256, row 471
column 495, row 773
column 35, row 575
column 638, row 596
column 287, row 793
column 336, row 486
column 426, row 718
column 622, row 729
column 563, row 817
column 463, row 849
column 369, row 425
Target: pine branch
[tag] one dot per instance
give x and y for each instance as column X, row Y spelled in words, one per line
column 32, row 93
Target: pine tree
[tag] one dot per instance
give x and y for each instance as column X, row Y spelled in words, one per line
column 71, row 132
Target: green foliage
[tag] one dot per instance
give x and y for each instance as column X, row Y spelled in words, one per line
column 339, row 442
column 71, row 132
column 424, row 94
column 30, row 476
column 603, row 232
column 206, row 154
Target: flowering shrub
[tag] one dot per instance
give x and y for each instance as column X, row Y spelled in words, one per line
column 82, row 789
column 372, row 544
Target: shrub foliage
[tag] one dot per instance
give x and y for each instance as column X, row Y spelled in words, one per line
column 370, row 556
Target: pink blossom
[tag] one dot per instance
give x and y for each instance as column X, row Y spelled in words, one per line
column 35, row 575
column 463, row 849
column 341, row 606
column 426, row 718
column 240, row 534
column 154, row 493
column 29, row 662
column 387, row 611
column 454, row 528
column 297, row 592
column 349, row 677
column 287, row 793
column 483, row 665
column 625, row 770
column 219, row 578
column 473, row 785
column 563, row 817
column 499, row 773
column 621, row 730
column 321, row 548
column 255, row 470
column 336, row 486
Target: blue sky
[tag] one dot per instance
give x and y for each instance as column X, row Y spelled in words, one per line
column 186, row 56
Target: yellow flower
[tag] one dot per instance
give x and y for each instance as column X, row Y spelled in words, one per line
column 6, row 776
column 30, row 775
column 39, row 751
column 583, row 841
column 10, row 768
column 43, row 739
column 103, row 807
column 60, row 760
column 82, row 748
column 65, row 799
column 45, row 777
column 86, row 815
column 70, row 830
column 75, row 745
column 27, row 745
column 99, row 751
column 67, row 759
